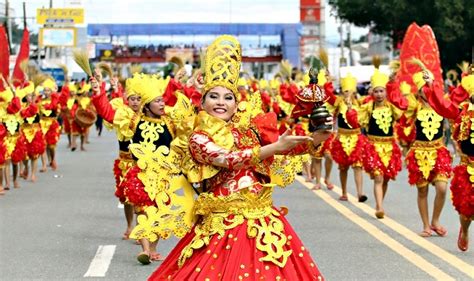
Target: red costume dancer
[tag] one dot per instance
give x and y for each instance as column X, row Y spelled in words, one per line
column 129, row 105
column 462, row 185
column 68, row 92
column 15, row 143
column 232, row 156
column 82, row 102
column 348, row 146
column 49, row 108
column 428, row 160
column 31, row 129
column 383, row 158
column 405, row 129
column 151, row 130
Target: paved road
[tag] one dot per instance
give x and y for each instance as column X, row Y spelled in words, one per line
column 52, row 230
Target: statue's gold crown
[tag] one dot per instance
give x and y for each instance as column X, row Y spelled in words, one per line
column 222, row 63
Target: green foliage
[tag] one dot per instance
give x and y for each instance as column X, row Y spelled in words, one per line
column 452, row 22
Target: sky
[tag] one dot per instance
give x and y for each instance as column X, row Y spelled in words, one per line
column 186, row 11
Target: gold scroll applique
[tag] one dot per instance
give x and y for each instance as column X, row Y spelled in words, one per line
column 430, row 121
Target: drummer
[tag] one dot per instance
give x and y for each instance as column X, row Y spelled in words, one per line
column 82, row 102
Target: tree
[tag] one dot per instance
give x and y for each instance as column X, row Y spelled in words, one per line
column 452, row 22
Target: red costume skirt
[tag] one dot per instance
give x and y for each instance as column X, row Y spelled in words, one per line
column 419, row 159
column 134, row 190
column 462, row 187
column 34, row 140
column 3, row 147
column 405, row 132
column 16, row 147
column 382, row 157
column 78, row 130
column 51, row 130
column 324, row 148
column 121, row 167
column 234, row 256
column 348, row 148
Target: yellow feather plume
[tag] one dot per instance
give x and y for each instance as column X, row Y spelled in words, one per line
column 106, row 68
column 39, row 78
column 419, row 63
column 394, row 66
column 286, row 69
column 376, row 61
column 464, row 67
column 323, row 56
column 81, row 57
column 65, row 70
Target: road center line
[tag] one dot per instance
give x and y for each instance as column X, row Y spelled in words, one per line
column 378, row 234
column 451, row 259
column 100, row 263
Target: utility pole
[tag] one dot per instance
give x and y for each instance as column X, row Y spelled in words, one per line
column 342, row 59
column 8, row 26
column 349, row 40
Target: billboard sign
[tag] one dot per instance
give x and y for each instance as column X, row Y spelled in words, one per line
column 60, row 16
column 57, row 37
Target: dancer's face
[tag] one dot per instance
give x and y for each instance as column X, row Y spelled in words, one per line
column 379, row 94
column 157, row 106
column 134, row 102
column 220, row 102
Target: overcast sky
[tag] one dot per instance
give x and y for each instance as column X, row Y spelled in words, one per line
column 186, row 11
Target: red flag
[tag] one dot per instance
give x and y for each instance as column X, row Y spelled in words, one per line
column 4, row 57
column 18, row 76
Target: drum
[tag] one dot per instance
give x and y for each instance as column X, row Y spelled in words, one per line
column 85, row 118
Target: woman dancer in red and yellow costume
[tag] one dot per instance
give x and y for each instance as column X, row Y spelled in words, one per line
column 131, row 104
column 14, row 141
column 348, row 146
column 428, row 160
column 152, row 130
column 31, row 129
column 462, row 184
column 230, row 152
column 82, row 101
column 49, row 108
column 383, row 158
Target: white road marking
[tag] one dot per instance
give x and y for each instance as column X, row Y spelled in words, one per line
column 100, row 263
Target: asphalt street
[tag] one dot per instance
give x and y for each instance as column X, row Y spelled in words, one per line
column 52, row 229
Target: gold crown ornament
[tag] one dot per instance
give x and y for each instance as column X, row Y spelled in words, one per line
column 222, row 64
column 29, row 89
column 467, row 83
column 148, row 87
column 349, row 83
column 50, row 84
column 378, row 79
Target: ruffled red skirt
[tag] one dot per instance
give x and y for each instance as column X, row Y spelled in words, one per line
column 234, row 256
column 374, row 166
column 462, row 191
column 3, row 153
column 37, row 146
column 134, row 190
column 441, row 170
column 121, row 167
column 77, row 130
column 20, row 152
column 53, row 133
column 355, row 159
column 402, row 137
column 325, row 147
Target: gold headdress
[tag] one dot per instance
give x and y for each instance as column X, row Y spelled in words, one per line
column 349, row 83
column 222, row 63
column 29, row 89
column 148, row 87
column 378, row 79
column 467, row 83
column 49, row 83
